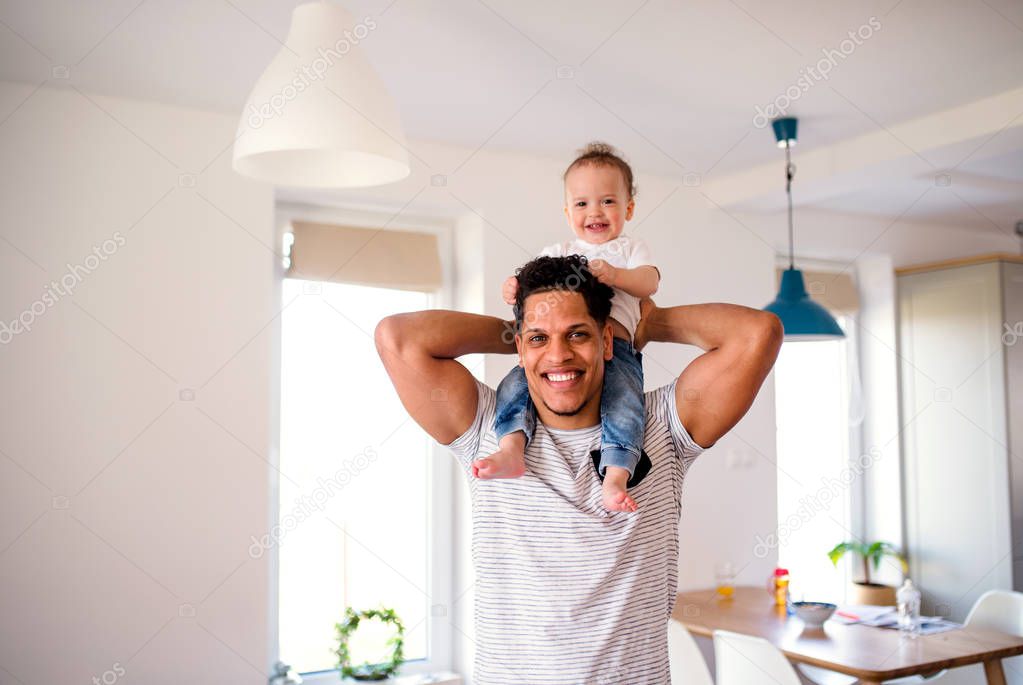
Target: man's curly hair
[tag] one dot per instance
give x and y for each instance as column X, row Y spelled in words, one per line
column 570, row 274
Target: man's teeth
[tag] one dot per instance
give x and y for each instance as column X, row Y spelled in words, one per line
column 557, row 377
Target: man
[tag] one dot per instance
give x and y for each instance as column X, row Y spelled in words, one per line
column 568, row 593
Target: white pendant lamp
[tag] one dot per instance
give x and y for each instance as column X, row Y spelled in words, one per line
column 319, row 116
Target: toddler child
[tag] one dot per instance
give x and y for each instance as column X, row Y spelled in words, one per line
column 599, row 199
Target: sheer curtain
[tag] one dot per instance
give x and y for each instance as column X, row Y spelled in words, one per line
column 355, row 478
column 819, row 411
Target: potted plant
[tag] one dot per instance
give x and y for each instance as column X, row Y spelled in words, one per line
column 367, row 671
column 866, row 592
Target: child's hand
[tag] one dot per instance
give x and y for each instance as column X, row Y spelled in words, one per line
column 605, row 273
column 510, row 289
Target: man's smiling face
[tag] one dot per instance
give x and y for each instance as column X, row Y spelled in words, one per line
column 562, row 349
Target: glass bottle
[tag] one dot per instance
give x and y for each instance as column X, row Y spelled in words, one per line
column 908, row 600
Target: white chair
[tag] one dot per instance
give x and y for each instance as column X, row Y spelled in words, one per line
column 746, row 660
column 1000, row 610
column 687, row 664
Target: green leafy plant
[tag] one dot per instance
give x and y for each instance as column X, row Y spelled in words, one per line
column 868, row 551
column 368, row 671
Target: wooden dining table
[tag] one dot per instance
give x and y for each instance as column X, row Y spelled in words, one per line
column 871, row 654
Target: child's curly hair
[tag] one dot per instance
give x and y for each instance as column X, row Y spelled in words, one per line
column 570, row 274
column 598, row 153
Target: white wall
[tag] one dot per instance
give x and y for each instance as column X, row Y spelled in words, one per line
column 128, row 504
column 881, row 484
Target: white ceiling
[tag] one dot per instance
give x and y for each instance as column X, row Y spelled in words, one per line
column 675, row 84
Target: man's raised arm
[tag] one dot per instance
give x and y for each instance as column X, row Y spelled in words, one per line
column 719, row 386
column 419, row 350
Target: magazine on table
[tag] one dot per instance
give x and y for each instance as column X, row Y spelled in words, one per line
column 888, row 617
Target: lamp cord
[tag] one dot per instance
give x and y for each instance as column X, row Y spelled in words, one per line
column 790, row 170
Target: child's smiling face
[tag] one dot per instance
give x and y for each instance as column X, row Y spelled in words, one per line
column 597, row 202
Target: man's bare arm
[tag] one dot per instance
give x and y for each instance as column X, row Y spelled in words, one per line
column 719, row 386
column 419, row 351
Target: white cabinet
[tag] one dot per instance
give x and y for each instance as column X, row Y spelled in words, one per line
column 961, row 418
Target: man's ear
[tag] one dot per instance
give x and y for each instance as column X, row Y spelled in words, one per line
column 609, row 339
column 518, row 347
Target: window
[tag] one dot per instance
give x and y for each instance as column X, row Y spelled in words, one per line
column 818, row 416
column 357, row 480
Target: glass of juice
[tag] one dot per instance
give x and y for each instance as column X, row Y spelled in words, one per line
column 724, row 577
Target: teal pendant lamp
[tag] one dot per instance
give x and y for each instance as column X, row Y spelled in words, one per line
column 802, row 318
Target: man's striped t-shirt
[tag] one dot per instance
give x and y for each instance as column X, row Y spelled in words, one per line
column 568, row 593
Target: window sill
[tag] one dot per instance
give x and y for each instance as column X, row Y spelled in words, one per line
column 324, row 677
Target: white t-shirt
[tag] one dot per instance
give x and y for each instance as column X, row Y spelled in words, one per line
column 568, row 593
column 623, row 252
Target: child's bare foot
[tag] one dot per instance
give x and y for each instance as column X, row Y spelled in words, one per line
column 507, row 462
column 616, row 497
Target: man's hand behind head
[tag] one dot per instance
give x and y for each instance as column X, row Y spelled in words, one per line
column 640, row 339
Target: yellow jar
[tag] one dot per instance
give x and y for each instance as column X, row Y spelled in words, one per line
column 780, row 586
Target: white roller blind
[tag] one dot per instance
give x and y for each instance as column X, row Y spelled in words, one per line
column 836, row 292
column 404, row 260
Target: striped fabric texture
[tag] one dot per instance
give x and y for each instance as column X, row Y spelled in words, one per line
column 568, row 593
